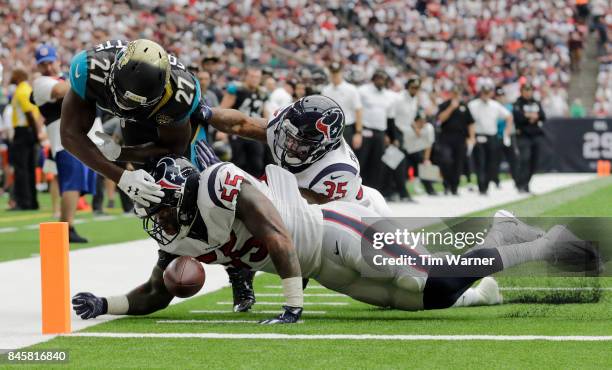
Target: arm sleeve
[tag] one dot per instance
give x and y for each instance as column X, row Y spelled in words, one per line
column 78, row 74
column 42, row 89
column 232, row 89
column 356, row 99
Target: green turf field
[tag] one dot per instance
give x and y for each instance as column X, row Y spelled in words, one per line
column 584, row 311
column 19, row 230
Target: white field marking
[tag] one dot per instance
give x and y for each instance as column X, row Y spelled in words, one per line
column 555, row 338
column 8, row 229
column 552, row 289
column 305, row 303
column 308, row 312
column 79, row 221
column 105, row 218
column 305, row 295
column 213, row 321
column 308, row 287
column 31, row 227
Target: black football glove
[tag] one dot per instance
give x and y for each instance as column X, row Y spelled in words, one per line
column 290, row 316
column 205, row 155
column 89, row 306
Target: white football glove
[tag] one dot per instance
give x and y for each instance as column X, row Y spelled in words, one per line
column 140, row 186
column 109, row 148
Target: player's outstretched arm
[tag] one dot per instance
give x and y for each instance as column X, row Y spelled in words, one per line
column 77, row 118
column 234, row 122
column 263, row 221
column 150, row 297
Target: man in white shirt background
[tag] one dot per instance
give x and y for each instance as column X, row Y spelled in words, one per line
column 347, row 97
column 402, row 113
column 75, row 179
column 487, row 151
column 376, row 100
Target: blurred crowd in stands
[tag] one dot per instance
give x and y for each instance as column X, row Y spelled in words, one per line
column 434, row 57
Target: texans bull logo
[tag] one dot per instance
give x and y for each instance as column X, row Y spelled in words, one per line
column 328, row 123
column 169, row 174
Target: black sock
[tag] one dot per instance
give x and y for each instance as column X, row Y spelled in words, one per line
column 446, row 283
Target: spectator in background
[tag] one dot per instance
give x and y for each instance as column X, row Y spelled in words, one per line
column 509, row 147
column 210, row 64
column 486, row 112
column 249, row 98
column 28, row 130
column 376, row 100
column 529, row 118
column 575, row 47
column 401, row 116
column 280, row 97
column 555, row 102
column 347, row 97
column 577, row 109
column 74, row 178
column 456, row 135
column 418, row 141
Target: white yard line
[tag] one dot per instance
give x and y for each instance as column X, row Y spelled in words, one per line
column 369, row 337
column 307, row 312
column 109, row 270
column 552, row 289
column 309, row 286
column 213, row 321
column 305, row 295
column 279, row 303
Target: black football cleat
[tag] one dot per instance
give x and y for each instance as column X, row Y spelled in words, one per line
column 242, row 288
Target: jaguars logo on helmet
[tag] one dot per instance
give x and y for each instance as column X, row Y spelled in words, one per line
column 139, row 76
column 307, row 129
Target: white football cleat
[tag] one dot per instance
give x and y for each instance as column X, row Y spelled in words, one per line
column 489, row 290
column 507, row 229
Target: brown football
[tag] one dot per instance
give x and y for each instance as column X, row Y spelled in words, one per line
column 184, row 277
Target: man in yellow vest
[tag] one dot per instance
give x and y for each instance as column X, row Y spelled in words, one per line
column 27, row 126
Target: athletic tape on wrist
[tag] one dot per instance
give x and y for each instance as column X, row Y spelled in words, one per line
column 118, row 305
column 293, row 291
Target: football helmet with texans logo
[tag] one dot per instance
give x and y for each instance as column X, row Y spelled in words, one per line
column 307, row 129
column 173, row 217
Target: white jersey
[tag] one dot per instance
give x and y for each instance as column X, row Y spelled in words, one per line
column 336, row 176
column 229, row 242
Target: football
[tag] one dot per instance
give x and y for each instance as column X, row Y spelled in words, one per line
column 184, row 277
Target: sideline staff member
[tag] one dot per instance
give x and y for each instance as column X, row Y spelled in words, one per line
column 457, row 132
column 529, row 117
column 486, row 113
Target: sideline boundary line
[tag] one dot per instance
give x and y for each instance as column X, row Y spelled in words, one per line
column 555, row 338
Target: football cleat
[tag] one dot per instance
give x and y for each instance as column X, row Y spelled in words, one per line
column 489, row 290
column 507, row 229
column 242, row 288
column 291, row 315
column 570, row 253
